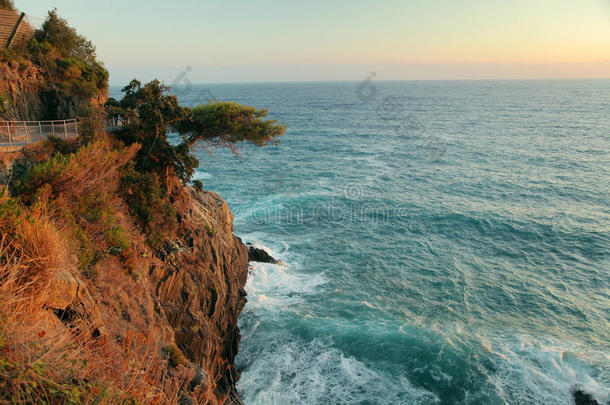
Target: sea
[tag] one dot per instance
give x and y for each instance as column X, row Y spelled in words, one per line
column 441, row 242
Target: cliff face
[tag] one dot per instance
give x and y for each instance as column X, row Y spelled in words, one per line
column 26, row 95
column 19, row 87
column 200, row 284
column 155, row 326
column 92, row 311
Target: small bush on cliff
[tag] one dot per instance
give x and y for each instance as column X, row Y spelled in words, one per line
column 143, row 194
column 82, row 189
column 176, row 358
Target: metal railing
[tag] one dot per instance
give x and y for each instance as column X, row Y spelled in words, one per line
column 21, row 133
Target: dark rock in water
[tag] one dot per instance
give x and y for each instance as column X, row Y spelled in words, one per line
column 582, row 398
column 260, row 255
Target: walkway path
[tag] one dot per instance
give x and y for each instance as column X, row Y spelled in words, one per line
column 17, row 134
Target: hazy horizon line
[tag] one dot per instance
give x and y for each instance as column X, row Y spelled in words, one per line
column 526, row 79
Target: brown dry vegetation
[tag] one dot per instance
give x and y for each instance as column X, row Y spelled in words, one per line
column 118, row 282
column 79, row 318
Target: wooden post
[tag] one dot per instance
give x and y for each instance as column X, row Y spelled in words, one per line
column 53, row 128
column 65, row 130
column 8, row 128
column 39, row 130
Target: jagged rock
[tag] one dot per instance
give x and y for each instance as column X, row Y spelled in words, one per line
column 29, row 101
column 201, row 378
column 583, row 398
column 202, row 289
column 69, row 299
column 64, row 289
column 260, row 255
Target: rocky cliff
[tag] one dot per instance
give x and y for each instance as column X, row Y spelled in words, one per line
column 200, row 284
column 27, row 94
column 19, row 91
column 119, row 283
column 152, row 326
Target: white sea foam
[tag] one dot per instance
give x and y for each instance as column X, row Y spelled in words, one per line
column 530, row 371
column 293, row 372
column 275, row 286
column 202, row 175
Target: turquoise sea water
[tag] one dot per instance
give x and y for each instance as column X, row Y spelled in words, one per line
column 444, row 242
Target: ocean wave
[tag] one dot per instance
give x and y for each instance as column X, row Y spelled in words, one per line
column 507, row 235
column 273, row 287
column 294, row 372
column 530, row 371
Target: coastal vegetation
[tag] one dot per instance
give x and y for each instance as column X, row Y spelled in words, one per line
column 92, row 228
column 67, row 61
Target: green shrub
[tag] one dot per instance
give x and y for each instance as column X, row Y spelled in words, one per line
column 176, row 358
column 198, row 185
column 144, row 196
column 60, row 145
column 210, row 229
column 95, row 209
column 91, row 125
column 15, row 54
column 85, row 251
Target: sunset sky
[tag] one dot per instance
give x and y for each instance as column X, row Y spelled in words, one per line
column 242, row 41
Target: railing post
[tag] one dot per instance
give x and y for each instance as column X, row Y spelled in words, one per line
column 8, row 128
column 39, row 130
column 53, row 128
column 27, row 134
column 65, row 130
column 75, row 127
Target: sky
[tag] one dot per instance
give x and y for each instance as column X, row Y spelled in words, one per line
column 214, row 41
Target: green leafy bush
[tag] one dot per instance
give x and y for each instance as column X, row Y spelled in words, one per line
column 149, row 113
column 144, row 196
column 68, row 58
column 176, row 358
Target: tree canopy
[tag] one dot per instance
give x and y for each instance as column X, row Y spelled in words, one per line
column 149, row 113
column 66, row 40
column 68, row 57
column 229, row 122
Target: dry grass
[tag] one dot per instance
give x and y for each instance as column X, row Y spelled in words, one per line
column 47, row 360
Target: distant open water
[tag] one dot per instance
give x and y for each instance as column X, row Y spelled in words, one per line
column 445, row 242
